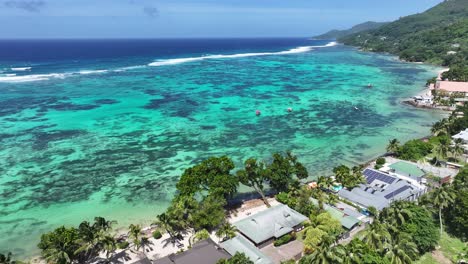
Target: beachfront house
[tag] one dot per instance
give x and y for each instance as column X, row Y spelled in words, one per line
column 380, row 190
column 451, row 88
column 462, row 135
column 266, row 226
column 242, row 245
column 202, row 252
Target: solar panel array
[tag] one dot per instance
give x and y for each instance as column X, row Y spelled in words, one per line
column 396, row 192
column 372, row 175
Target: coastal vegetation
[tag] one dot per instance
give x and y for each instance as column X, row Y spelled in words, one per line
column 335, row 34
column 438, row 36
column 401, row 233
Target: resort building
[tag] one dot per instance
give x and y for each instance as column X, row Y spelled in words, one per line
column 462, row 135
column 202, row 252
column 380, row 190
column 264, row 227
column 242, row 245
column 452, row 87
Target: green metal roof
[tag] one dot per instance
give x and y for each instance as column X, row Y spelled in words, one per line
column 347, row 221
column 407, row 169
column 242, row 245
column 274, row 222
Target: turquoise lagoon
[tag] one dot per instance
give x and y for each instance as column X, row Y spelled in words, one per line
column 77, row 144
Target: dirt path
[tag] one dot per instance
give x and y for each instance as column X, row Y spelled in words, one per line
column 440, row 258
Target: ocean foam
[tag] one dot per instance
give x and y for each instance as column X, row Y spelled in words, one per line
column 240, row 55
column 32, row 77
column 13, row 78
column 21, row 69
column 85, row 72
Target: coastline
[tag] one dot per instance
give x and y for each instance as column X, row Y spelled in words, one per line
column 122, row 230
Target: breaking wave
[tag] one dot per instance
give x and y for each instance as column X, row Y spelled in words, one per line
column 240, row 55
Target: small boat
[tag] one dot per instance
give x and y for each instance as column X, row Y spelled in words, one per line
column 289, row 109
column 257, row 112
column 369, row 85
column 356, row 108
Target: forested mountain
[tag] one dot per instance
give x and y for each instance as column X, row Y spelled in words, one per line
column 438, row 35
column 334, row 34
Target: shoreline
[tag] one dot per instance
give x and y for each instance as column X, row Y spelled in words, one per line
column 147, row 229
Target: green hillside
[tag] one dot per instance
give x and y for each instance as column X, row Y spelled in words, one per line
column 438, row 35
column 335, row 34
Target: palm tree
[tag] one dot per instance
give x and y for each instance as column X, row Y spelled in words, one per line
column 354, row 251
column 165, row 222
column 402, row 250
column 109, row 245
column 6, row 259
column 88, row 239
column 100, row 223
column 376, row 236
column 393, row 145
column 135, row 234
column 441, row 199
column 443, row 148
column 458, row 149
column 145, row 242
column 398, row 213
column 226, row 230
column 325, row 253
column 324, row 182
column 442, row 126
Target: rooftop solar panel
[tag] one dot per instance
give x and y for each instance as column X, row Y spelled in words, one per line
column 372, row 175
column 396, row 192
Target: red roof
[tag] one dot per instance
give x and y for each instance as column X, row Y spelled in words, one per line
column 452, row 86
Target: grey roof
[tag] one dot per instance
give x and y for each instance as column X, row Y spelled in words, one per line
column 463, row 135
column 203, row 252
column 274, row 222
column 165, row 260
column 379, row 194
column 142, row 261
column 346, row 220
column 242, row 245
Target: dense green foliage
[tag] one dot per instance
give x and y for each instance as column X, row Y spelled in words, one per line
column 284, row 171
column 238, row 258
column 349, row 178
column 359, row 252
column 414, row 150
column 456, row 214
column 212, row 175
column 439, row 35
column 157, row 234
column 67, row 245
column 323, row 227
column 283, row 240
column 298, row 199
column 334, row 34
column 421, row 228
column 254, row 175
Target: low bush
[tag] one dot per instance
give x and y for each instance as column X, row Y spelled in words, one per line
column 380, row 161
column 283, row 240
column 122, row 245
column 157, row 234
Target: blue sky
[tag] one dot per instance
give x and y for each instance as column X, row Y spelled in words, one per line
column 192, row 18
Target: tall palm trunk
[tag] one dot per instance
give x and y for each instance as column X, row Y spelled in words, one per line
column 440, row 220
column 265, row 200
